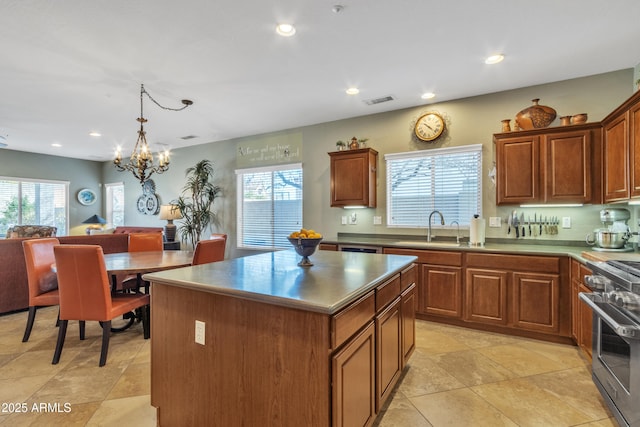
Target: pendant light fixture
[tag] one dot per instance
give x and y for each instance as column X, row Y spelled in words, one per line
column 141, row 163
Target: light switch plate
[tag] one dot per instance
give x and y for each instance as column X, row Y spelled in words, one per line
column 344, row 220
column 495, row 221
column 377, row 220
column 566, row 222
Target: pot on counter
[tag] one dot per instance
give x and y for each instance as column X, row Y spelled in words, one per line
column 607, row 239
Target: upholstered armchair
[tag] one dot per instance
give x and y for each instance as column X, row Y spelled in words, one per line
column 31, row 231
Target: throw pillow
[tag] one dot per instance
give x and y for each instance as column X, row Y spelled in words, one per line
column 48, row 282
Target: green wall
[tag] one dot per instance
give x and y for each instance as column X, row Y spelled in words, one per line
column 472, row 121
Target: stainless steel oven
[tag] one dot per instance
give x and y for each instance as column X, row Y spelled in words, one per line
column 615, row 301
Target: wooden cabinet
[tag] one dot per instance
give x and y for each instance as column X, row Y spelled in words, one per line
column 621, row 151
column 553, row 165
column 328, row 247
column 388, row 350
column 486, row 296
column 353, row 391
column 535, row 302
column 582, row 316
column 522, row 292
column 441, row 290
column 369, row 361
column 353, row 177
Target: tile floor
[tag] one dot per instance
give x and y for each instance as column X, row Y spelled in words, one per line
column 456, row 377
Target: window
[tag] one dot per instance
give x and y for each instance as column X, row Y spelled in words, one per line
column 32, row 202
column 115, row 203
column 269, row 205
column 446, row 179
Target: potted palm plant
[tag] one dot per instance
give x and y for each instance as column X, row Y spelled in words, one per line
column 198, row 196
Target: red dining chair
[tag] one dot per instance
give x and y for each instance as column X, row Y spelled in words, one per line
column 144, row 242
column 42, row 280
column 211, row 250
column 85, row 294
column 141, row 242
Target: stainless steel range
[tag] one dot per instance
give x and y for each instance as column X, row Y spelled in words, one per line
column 615, row 300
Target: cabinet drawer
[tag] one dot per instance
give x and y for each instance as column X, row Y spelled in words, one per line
column 451, row 258
column 408, row 277
column 351, row 319
column 386, row 292
column 328, row 247
column 541, row 264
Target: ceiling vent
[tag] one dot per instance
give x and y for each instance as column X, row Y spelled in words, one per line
column 188, row 137
column 379, row 100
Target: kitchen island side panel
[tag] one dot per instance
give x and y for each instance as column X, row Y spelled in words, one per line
column 261, row 365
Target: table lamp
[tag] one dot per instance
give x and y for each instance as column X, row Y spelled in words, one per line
column 95, row 223
column 169, row 213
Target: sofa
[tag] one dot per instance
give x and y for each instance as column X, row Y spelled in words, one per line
column 14, row 290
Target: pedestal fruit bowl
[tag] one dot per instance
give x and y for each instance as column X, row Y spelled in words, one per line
column 305, row 243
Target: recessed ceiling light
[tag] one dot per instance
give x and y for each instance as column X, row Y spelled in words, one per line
column 494, row 59
column 353, row 91
column 95, row 133
column 55, row 144
column 286, row 30
column 428, row 95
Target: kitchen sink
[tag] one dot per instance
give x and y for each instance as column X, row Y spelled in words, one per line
column 422, row 243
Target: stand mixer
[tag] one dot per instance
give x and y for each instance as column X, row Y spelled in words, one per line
column 615, row 233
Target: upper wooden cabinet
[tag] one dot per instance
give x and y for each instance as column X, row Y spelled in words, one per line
column 551, row 165
column 353, row 177
column 621, row 152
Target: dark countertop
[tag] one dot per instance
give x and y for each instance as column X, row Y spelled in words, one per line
column 523, row 247
column 335, row 280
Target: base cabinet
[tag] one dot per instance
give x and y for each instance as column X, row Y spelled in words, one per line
column 367, row 366
column 535, row 302
column 486, row 296
column 354, row 398
column 582, row 316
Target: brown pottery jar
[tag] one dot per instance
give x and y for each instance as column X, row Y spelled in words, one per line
column 536, row 116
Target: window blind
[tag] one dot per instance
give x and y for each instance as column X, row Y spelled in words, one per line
column 269, row 205
column 32, row 202
column 445, row 179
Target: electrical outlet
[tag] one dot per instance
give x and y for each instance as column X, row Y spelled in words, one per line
column 344, row 220
column 377, row 220
column 199, row 332
column 495, row 221
column 353, row 219
column 566, row 222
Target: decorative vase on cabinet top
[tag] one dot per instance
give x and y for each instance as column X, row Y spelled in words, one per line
column 536, row 116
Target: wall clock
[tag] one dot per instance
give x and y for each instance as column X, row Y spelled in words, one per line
column 429, row 127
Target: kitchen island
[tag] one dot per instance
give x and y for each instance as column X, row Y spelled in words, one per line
column 283, row 345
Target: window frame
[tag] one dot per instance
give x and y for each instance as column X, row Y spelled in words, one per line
column 108, row 191
column 240, row 173
column 21, row 180
column 433, row 153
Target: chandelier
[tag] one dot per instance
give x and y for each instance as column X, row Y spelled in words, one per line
column 140, row 163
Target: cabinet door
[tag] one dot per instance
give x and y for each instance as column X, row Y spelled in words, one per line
column 535, row 302
column 585, row 319
column 353, row 178
column 616, row 159
column 388, row 351
column 517, row 165
column 486, row 296
column 567, row 166
column 353, row 388
column 440, row 291
column 634, row 143
column 408, row 311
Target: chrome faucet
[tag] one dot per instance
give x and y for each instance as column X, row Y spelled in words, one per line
column 441, row 222
column 457, row 230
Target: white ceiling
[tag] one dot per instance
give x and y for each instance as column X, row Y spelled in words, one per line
column 74, row 66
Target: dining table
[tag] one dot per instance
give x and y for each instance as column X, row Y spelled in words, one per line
column 138, row 263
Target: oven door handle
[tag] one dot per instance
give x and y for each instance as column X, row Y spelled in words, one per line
column 620, row 323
